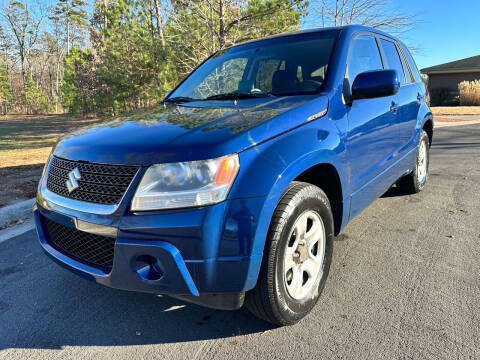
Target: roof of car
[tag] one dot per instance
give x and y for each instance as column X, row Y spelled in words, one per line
column 313, row 30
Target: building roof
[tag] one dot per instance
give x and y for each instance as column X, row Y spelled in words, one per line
column 471, row 64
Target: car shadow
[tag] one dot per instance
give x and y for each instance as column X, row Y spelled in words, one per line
column 394, row 191
column 45, row 306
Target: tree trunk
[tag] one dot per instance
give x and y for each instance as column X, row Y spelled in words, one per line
column 221, row 30
column 212, row 32
column 159, row 23
column 68, row 37
column 105, row 20
column 22, row 64
column 57, row 84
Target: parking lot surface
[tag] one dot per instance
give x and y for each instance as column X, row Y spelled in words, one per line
column 404, row 283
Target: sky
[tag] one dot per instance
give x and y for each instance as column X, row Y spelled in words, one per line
column 443, row 31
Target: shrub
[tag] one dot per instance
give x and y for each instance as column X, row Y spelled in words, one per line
column 438, row 96
column 469, row 92
column 452, row 102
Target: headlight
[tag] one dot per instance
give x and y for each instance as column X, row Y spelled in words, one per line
column 186, row 184
column 43, row 178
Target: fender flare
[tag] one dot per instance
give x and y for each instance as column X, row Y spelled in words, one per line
column 290, row 173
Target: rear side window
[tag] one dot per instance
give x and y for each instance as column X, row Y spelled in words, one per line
column 408, row 76
column 364, row 56
column 393, row 61
column 411, row 62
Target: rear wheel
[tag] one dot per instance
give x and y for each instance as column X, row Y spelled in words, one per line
column 297, row 256
column 415, row 181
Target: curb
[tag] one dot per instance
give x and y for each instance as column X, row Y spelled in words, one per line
column 441, row 124
column 18, row 211
column 11, row 232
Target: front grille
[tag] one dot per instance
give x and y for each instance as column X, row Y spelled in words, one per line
column 101, row 184
column 91, row 249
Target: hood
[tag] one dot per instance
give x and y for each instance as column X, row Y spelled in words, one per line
column 192, row 131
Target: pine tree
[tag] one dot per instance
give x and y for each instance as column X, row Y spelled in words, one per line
column 6, row 94
column 128, row 53
column 200, row 28
column 73, row 15
column 33, row 98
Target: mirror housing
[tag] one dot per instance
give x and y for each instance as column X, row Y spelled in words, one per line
column 375, row 84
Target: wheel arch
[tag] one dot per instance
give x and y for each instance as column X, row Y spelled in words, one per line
column 428, row 128
column 326, row 177
column 425, row 122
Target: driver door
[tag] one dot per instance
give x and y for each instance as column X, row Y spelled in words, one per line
column 372, row 137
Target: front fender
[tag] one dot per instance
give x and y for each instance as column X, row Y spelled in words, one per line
column 267, row 169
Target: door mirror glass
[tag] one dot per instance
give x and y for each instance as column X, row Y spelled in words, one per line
column 374, row 84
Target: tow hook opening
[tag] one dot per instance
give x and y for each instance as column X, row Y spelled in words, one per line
column 148, row 268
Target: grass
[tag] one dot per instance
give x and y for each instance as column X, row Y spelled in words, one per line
column 20, row 157
column 27, row 131
column 456, row 110
column 27, row 139
column 25, row 142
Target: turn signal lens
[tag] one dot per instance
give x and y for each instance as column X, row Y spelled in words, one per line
column 227, row 170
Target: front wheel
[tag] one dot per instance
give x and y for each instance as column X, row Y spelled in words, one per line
column 297, row 256
column 415, row 181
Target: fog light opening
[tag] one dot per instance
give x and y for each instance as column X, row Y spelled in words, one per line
column 147, row 268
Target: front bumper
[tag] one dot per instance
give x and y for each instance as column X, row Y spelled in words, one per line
column 201, row 255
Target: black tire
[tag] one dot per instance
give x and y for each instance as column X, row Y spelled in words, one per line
column 410, row 183
column 270, row 300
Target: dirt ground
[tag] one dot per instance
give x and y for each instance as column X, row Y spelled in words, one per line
column 25, row 142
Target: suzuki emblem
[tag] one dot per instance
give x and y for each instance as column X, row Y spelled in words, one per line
column 72, row 182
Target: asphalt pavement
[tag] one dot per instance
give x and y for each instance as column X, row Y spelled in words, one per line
column 404, row 283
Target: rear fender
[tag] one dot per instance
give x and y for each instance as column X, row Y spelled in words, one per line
column 424, row 115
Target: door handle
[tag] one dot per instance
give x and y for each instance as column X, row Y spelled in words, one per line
column 420, row 98
column 394, row 107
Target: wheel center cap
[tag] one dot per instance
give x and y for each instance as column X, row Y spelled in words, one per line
column 301, row 254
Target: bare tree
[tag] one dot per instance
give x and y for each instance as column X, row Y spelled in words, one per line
column 24, row 24
column 380, row 14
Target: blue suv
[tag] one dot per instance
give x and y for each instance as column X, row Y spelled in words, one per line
column 231, row 190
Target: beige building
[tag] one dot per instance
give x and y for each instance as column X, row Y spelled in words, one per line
column 443, row 79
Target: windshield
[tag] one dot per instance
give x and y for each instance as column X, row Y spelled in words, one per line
column 288, row 65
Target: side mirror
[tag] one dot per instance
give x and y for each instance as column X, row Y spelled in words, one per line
column 374, row 84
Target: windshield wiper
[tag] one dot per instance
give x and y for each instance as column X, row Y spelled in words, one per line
column 179, row 99
column 237, row 95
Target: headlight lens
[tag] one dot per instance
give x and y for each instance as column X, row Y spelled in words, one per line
column 43, row 178
column 186, row 184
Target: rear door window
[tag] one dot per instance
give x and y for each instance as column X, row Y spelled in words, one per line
column 392, row 58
